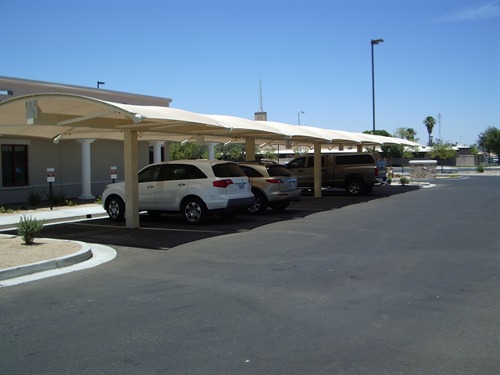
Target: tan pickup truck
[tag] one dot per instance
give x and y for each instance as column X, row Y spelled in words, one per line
column 355, row 172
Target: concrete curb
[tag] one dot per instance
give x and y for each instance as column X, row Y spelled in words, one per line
column 47, row 220
column 85, row 253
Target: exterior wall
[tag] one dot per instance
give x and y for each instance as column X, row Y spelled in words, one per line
column 65, row 158
column 467, row 161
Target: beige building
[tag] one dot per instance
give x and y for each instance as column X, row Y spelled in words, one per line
column 81, row 167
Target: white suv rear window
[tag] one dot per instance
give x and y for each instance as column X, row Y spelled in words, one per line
column 228, row 170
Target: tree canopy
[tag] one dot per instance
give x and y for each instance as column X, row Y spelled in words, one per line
column 406, row 133
column 442, row 151
column 489, row 141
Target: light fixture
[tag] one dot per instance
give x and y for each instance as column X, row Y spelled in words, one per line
column 137, row 118
column 298, row 115
column 373, row 43
column 57, row 138
column 228, row 142
column 184, row 141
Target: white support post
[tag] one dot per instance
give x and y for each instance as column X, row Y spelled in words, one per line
column 157, row 151
column 211, row 150
column 86, row 169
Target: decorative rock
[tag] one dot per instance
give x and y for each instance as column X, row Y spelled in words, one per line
column 423, row 169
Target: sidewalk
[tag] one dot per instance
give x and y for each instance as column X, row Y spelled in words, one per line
column 9, row 221
column 91, row 255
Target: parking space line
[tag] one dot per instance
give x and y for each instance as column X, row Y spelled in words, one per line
column 152, row 228
column 183, row 230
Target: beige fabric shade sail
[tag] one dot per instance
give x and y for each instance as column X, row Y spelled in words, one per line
column 68, row 116
column 74, row 116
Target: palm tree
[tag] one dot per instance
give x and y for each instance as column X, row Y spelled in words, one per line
column 429, row 123
column 411, row 134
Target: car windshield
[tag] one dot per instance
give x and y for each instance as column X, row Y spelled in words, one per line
column 227, row 170
column 278, row 171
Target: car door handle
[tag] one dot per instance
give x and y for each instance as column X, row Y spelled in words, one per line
column 150, row 187
column 181, row 184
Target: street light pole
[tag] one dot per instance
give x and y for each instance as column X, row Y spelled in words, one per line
column 298, row 115
column 374, row 42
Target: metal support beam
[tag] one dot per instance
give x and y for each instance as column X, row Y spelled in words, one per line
column 131, row 179
column 250, row 149
column 317, row 170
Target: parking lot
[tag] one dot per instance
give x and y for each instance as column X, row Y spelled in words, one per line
column 169, row 230
column 402, row 281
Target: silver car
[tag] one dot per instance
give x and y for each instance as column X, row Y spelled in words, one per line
column 272, row 185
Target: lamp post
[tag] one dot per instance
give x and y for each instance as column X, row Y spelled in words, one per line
column 374, row 42
column 99, row 83
column 298, row 115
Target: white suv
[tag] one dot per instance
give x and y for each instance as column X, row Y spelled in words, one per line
column 193, row 187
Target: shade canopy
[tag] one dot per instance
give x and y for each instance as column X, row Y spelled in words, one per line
column 60, row 116
column 73, row 116
column 67, row 116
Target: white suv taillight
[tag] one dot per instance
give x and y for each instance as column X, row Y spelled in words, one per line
column 274, row 180
column 222, row 183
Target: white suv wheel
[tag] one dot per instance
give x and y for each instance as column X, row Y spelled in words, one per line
column 194, row 211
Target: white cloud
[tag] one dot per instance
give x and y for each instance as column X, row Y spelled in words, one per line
column 473, row 13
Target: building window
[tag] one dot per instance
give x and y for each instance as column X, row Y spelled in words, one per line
column 14, row 165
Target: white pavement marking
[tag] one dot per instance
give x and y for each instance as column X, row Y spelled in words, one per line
column 100, row 254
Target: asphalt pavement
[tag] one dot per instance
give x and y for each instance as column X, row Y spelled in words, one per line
column 100, row 252
column 404, row 281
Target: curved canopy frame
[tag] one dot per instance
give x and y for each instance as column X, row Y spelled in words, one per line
column 74, row 116
column 67, row 116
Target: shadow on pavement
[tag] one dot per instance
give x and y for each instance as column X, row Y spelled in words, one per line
column 168, row 230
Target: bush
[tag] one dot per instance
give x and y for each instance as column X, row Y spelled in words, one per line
column 57, row 199
column 480, row 168
column 404, row 180
column 28, row 228
column 33, row 197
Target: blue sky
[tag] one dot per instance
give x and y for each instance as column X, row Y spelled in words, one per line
column 438, row 57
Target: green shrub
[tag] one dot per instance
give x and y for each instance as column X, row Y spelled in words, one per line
column 28, row 228
column 57, row 199
column 4, row 210
column 480, row 168
column 404, row 180
column 33, row 197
